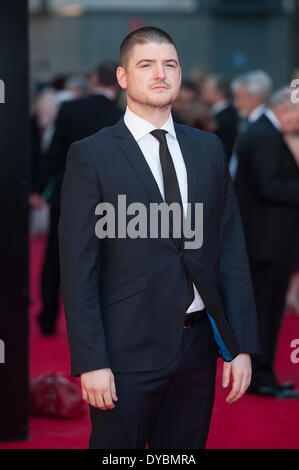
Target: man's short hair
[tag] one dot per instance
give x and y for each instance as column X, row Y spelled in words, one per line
column 143, row 36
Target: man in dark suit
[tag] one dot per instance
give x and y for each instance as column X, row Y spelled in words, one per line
column 251, row 94
column 216, row 93
column 148, row 315
column 267, row 186
column 76, row 119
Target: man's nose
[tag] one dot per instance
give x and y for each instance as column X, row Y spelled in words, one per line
column 159, row 72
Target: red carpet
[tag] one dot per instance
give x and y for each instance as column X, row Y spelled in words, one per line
column 250, row 423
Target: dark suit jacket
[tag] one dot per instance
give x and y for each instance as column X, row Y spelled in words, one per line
column 76, row 120
column 267, row 186
column 227, row 128
column 125, row 298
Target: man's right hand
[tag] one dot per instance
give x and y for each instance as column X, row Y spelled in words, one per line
column 36, row 201
column 98, row 388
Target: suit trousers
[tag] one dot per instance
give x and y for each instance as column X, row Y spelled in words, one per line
column 270, row 283
column 167, row 409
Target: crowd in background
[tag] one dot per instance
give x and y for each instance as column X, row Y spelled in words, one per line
column 259, row 130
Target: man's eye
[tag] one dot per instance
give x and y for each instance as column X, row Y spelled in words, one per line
column 170, row 65
column 144, row 65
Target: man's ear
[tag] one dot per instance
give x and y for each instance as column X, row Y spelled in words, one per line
column 121, row 77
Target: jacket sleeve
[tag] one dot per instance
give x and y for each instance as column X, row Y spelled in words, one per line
column 80, row 262
column 234, row 271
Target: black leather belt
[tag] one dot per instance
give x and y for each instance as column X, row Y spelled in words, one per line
column 194, row 318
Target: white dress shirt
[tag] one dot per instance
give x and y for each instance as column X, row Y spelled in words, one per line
column 256, row 113
column 220, row 106
column 149, row 146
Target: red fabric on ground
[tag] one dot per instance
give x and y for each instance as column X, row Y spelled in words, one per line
column 250, row 423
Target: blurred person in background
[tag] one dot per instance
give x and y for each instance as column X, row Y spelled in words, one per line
column 188, row 95
column 200, row 117
column 103, row 80
column 42, row 120
column 216, row 93
column 46, row 109
column 267, row 186
column 76, row 119
column 199, row 75
column 77, row 85
column 251, row 94
column 61, row 88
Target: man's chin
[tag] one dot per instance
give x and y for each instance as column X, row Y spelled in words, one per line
column 160, row 101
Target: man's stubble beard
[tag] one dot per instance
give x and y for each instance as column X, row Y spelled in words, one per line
column 146, row 100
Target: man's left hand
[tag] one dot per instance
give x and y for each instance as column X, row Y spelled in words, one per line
column 240, row 369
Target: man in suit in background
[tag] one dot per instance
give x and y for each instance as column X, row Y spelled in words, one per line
column 267, row 186
column 188, row 95
column 148, row 315
column 251, row 94
column 76, row 119
column 216, row 93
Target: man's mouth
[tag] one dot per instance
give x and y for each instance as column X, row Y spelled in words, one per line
column 159, row 86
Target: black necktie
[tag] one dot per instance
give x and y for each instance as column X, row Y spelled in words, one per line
column 171, row 190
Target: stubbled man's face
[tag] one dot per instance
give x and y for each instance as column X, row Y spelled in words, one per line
column 152, row 75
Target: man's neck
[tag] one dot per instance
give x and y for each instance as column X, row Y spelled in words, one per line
column 154, row 115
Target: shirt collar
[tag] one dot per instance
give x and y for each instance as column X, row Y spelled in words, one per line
column 220, row 106
column 139, row 127
column 271, row 116
column 256, row 113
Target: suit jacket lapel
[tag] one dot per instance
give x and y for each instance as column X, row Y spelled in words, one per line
column 189, row 154
column 136, row 158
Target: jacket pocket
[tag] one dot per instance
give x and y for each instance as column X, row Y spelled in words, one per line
column 126, row 290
